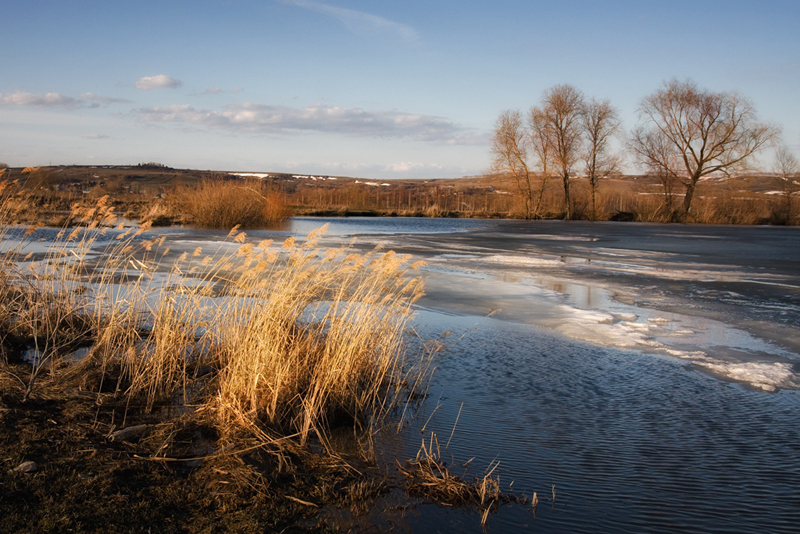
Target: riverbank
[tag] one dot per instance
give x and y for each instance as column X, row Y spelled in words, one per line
column 232, row 386
column 148, row 193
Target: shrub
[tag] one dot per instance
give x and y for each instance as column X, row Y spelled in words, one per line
column 223, row 204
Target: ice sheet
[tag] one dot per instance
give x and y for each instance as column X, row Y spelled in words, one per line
column 511, row 285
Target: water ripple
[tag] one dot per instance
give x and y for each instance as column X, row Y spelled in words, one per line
column 632, row 442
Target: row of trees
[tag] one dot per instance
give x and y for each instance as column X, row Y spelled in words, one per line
column 555, row 136
column 685, row 133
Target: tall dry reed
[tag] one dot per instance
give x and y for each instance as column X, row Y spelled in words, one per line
column 223, row 204
column 267, row 341
column 310, row 339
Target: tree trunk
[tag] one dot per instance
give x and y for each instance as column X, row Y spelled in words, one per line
column 567, row 204
column 687, row 199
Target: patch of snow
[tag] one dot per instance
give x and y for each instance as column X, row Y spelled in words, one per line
column 250, row 174
column 764, row 376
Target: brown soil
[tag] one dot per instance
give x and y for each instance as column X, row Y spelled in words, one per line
column 168, row 479
column 173, row 475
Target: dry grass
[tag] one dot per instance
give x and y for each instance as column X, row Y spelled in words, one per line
column 265, row 342
column 243, row 360
column 429, row 477
column 15, row 204
column 730, row 207
column 223, row 204
column 309, row 339
column 240, row 362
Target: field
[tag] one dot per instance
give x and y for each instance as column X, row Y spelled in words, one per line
column 152, row 192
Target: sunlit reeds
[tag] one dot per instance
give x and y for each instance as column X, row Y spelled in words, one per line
column 430, row 477
column 262, row 341
column 307, row 339
column 223, row 204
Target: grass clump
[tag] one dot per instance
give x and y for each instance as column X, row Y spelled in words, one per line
column 308, row 343
column 430, row 478
column 222, row 204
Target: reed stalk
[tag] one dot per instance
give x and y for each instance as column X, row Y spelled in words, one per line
column 267, row 341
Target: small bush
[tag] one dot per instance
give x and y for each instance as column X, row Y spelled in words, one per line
column 223, row 204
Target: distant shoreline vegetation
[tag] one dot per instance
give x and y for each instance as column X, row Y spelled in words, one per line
column 163, row 196
column 686, row 138
column 558, row 160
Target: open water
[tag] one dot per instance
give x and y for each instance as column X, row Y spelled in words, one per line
column 648, row 372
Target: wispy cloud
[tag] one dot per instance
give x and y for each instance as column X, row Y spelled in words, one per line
column 259, row 118
column 156, row 82
column 40, row 100
column 57, row 100
column 99, row 100
column 218, row 90
column 359, row 22
column 96, row 136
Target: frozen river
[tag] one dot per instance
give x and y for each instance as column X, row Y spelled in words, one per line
column 650, row 373
column 725, row 300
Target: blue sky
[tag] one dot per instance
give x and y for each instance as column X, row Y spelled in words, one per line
column 370, row 89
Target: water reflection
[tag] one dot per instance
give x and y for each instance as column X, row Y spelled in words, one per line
column 632, row 443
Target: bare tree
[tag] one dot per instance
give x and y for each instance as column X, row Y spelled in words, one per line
column 786, row 168
column 688, row 133
column 540, row 144
column 661, row 147
column 510, row 153
column 561, row 111
column 600, row 123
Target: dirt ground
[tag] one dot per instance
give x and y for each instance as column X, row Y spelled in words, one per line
column 87, row 481
column 65, row 467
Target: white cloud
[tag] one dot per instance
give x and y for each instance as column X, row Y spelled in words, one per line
column 259, row 118
column 360, row 22
column 408, row 166
column 98, row 100
column 46, row 100
column 57, row 100
column 96, row 136
column 155, row 82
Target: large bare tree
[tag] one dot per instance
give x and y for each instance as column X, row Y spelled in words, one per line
column 600, row 123
column 688, row 133
column 510, row 154
column 561, row 111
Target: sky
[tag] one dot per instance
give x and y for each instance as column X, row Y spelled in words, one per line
column 379, row 90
